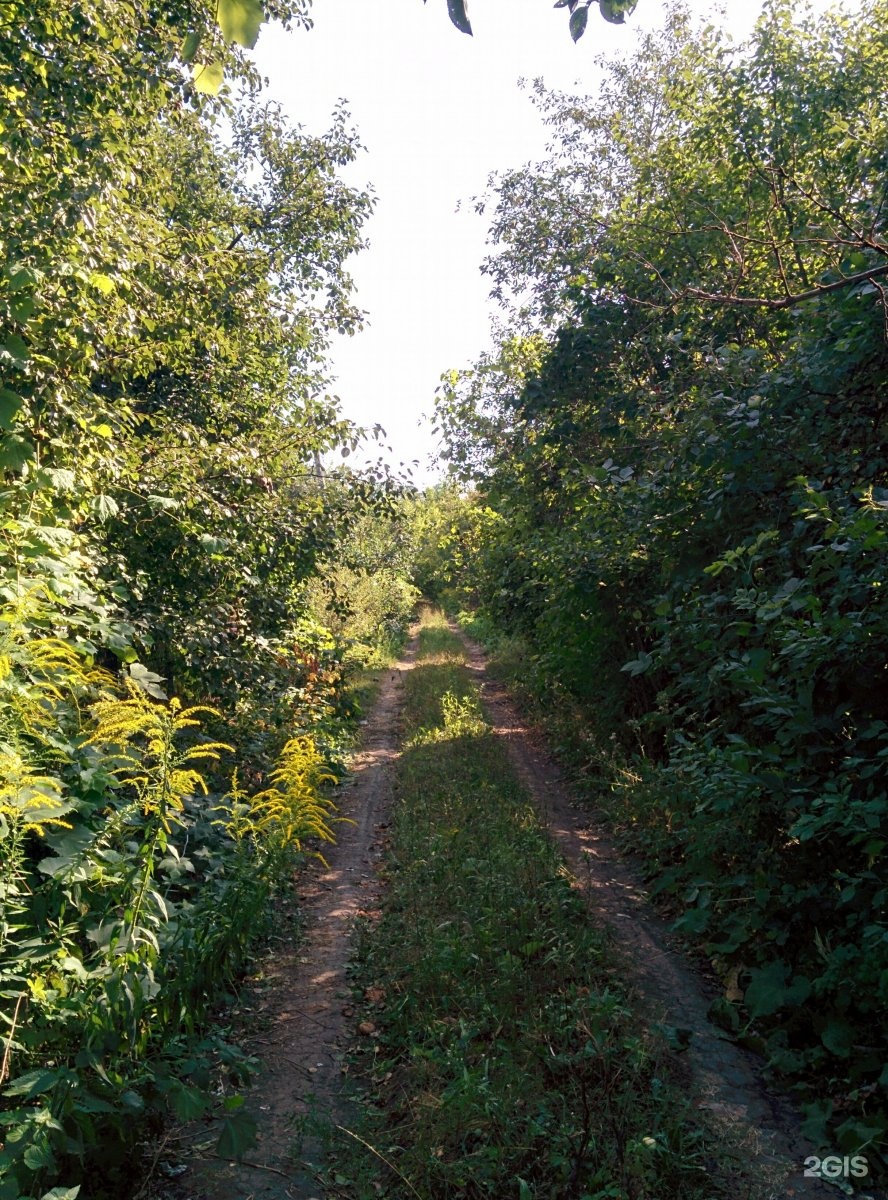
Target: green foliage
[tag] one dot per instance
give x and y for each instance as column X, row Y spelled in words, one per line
column 173, row 271
column 614, row 11
column 125, row 904
column 447, row 530
column 684, row 437
column 363, row 592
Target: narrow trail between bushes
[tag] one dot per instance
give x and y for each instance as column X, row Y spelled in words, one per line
column 301, row 1018
column 724, row 1079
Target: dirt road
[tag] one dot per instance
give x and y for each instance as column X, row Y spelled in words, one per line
column 302, row 1021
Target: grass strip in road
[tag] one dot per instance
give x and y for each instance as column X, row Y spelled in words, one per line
column 507, row 1061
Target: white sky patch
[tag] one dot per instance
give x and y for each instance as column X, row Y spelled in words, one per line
column 438, row 112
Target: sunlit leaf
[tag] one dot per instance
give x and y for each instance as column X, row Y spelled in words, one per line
column 240, row 20
column 104, row 283
column 208, row 77
column 103, row 507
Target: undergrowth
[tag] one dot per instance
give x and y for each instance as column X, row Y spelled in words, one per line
column 506, row 1058
column 134, row 890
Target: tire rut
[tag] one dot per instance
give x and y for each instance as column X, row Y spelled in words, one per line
column 303, row 1013
column 725, row 1080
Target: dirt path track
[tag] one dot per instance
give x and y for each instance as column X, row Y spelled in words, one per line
column 301, row 1019
column 723, row 1077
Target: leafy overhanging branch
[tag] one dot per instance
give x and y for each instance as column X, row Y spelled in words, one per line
column 775, row 303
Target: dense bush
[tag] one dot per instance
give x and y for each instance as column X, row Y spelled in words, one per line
column 683, row 434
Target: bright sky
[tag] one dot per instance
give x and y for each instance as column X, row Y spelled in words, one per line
column 437, row 111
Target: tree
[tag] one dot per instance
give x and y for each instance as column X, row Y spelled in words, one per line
column 239, row 22
column 684, row 435
column 174, row 267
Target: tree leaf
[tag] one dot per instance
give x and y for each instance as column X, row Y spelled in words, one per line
column 208, row 78
column 23, row 309
column 60, row 479
column 163, row 503
column 615, row 11
column 14, row 348
column 103, row 507
column 240, row 21
column 578, row 19
column 15, row 451
column 21, row 277
column 459, row 15
column 190, row 44
column 104, row 283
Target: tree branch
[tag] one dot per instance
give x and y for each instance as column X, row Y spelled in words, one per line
column 785, row 301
